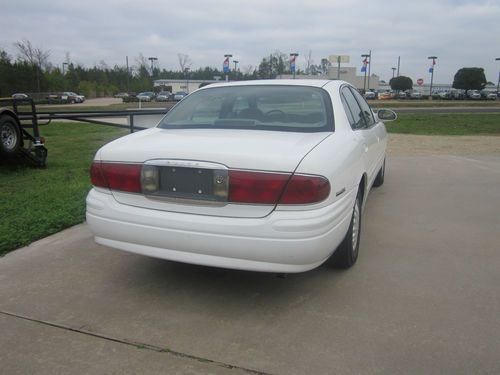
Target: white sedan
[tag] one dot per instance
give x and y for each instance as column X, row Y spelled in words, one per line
column 258, row 175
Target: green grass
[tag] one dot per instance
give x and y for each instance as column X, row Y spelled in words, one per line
column 35, row 203
column 446, row 124
column 432, row 103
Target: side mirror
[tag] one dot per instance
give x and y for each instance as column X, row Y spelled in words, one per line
column 387, row 115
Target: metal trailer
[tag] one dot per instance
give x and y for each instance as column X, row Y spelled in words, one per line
column 20, row 139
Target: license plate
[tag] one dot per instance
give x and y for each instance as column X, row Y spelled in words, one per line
column 193, row 183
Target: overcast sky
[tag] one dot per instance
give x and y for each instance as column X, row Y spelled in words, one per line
column 462, row 33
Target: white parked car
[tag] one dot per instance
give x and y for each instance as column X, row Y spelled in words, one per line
column 257, row 175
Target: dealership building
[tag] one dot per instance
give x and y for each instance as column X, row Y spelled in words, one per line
column 186, row 85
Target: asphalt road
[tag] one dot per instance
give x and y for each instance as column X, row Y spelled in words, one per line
column 423, row 298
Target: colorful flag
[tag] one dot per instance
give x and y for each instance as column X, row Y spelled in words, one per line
column 365, row 63
column 431, row 69
column 225, row 65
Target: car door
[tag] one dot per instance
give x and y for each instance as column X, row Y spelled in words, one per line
column 363, row 123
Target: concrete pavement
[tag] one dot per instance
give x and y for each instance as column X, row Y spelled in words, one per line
column 424, row 296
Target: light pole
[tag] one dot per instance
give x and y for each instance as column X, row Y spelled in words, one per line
column 369, row 68
column 498, row 84
column 393, row 72
column 186, row 72
column 225, row 66
column 293, row 59
column 365, row 63
column 64, row 63
column 152, row 59
column 431, row 70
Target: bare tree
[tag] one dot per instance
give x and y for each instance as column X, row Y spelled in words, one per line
column 141, row 66
column 309, row 62
column 248, row 70
column 34, row 56
column 184, row 61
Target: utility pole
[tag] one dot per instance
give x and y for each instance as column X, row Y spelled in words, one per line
column 399, row 62
column 270, row 66
column 128, row 73
column 369, row 68
column 393, row 72
column 431, row 70
column 152, row 59
column 225, row 66
column 498, row 84
column 365, row 63
column 293, row 60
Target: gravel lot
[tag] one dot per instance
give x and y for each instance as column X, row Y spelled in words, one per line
column 408, row 145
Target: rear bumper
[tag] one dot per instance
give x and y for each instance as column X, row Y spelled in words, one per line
column 284, row 241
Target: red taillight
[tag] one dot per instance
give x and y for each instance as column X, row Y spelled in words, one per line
column 271, row 188
column 124, row 177
column 303, row 189
column 256, row 187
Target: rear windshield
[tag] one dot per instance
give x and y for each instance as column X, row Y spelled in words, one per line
column 281, row 108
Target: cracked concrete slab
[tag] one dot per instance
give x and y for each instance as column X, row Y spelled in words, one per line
column 423, row 297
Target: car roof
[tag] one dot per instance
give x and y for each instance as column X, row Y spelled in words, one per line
column 277, row 82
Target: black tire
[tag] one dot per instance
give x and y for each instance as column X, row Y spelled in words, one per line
column 10, row 136
column 379, row 180
column 347, row 253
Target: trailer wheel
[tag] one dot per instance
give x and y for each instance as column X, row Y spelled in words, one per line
column 10, row 136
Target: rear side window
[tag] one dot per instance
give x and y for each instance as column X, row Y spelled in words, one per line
column 366, row 112
column 352, row 108
column 261, row 107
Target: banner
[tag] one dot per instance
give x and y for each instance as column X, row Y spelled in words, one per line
column 431, row 69
column 225, row 66
column 365, row 63
column 292, row 64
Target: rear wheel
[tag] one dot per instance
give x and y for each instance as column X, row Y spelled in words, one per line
column 347, row 253
column 10, row 136
column 379, row 180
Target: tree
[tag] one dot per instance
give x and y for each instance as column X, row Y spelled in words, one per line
column 184, row 61
column 325, row 64
column 309, row 62
column 401, row 83
column 36, row 57
column 469, row 79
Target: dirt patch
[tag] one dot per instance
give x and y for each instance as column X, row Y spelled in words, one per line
column 405, row 144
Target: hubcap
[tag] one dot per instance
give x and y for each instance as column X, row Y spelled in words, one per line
column 355, row 226
column 9, row 137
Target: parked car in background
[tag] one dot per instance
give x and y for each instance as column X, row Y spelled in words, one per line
column 121, row 95
column 20, row 96
column 370, row 95
column 71, row 97
column 386, row 95
column 163, row 96
column 457, row 94
column 414, row 94
column 179, row 95
column 445, row 95
column 402, row 95
column 146, row 96
column 488, row 95
column 474, row 94
column 262, row 175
